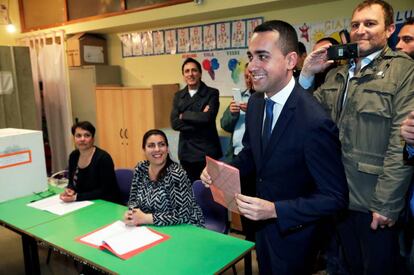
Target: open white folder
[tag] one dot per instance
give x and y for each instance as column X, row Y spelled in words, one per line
column 122, row 240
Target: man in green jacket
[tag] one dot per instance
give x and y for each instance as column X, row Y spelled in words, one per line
column 369, row 99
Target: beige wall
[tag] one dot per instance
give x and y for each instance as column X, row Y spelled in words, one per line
column 145, row 71
column 7, row 39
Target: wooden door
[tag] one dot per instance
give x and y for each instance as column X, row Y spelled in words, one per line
column 139, row 118
column 110, row 124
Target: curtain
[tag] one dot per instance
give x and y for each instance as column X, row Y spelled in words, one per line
column 17, row 98
column 48, row 65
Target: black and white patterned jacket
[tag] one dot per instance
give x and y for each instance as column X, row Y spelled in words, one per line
column 170, row 200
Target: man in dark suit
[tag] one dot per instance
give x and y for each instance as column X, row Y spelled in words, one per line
column 293, row 146
column 194, row 114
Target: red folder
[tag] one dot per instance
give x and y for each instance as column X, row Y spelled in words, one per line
column 128, row 254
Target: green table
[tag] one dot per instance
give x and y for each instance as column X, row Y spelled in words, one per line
column 19, row 217
column 190, row 249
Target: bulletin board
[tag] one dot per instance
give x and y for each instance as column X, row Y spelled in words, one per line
column 221, row 47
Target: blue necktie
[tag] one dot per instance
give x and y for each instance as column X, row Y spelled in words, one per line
column 267, row 127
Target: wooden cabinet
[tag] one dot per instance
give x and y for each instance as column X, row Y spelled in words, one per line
column 125, row 114
column 83, row 81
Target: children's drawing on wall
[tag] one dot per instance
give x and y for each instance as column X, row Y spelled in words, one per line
column 310, row 33
column 238, row 38
column 236, row 68
column 211, row 66
column 222, row 69
column 171, row 41
column 209, row 37
column 223, row 35
column 304, row 32
column 196, row 40
column 183, row 40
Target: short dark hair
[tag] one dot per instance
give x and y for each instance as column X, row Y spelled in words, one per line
column 409, row 21
column 85, row 125
column 329, row 39
column 288, row 39
column 386, row 8
column 301, row 48
column 162, row 173
column 191, row 60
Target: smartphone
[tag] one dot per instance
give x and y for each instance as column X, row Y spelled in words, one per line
column 344, row 35
column 237, row 95
column 344, row 51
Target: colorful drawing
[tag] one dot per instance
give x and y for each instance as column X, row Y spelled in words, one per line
column 304, row 32
column 210, row 66
column 236, row 68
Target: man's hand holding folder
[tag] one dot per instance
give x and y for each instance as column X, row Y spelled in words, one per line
column 225, row 181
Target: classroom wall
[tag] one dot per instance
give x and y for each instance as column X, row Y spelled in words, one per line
column 145, row 71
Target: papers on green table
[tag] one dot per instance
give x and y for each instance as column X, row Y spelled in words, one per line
column 123, row 241
column 56, row 206
column 226, row 183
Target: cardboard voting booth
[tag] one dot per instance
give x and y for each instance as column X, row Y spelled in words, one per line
column 22, row 163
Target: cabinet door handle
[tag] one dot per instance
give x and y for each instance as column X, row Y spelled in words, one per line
column 120, row 133
column 126, row 133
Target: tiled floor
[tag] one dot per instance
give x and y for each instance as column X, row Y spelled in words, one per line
column 11, row 258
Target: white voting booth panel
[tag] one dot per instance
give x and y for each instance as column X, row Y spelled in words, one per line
column 22, row 163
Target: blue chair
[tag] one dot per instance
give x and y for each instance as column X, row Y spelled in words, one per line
column 215, row 215
column 124, row 180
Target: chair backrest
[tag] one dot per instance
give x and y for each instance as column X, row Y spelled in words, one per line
column 215, row 215
column 124, row 180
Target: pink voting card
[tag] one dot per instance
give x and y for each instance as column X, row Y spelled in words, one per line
column 226, row 183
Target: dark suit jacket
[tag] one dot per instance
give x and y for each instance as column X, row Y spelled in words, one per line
column 198, row 132
column 300, row 171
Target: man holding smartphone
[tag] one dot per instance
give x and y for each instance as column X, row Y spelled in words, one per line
column 232, row 120
column 369, row 99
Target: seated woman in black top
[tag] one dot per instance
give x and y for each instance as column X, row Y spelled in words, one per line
column 161, row 192
column 91, row 170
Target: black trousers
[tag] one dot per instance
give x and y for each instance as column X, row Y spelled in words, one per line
column 193, row 169
column 368, row 251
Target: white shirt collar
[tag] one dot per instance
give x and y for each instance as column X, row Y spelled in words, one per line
column 192, row 92
column 282, row 96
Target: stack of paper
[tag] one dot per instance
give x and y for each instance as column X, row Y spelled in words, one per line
column 123, row 241
column 56, row 206
column 226, row 183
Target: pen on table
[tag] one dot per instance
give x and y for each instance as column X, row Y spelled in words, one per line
column 42, row 196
